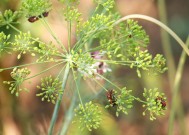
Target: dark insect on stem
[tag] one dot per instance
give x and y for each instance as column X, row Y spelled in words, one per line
column 111, row 97
column 162, row 101
column 44, row 14
column 33, row 19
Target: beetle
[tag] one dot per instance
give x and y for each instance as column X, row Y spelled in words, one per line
column 111, row 97
column 33, row 19
column 162, row 101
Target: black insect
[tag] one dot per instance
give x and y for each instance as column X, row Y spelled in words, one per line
column 111, row 97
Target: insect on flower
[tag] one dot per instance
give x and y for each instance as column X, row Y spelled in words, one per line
column 45, row 14
column 111, row 97
column 33, row 19
column 162, row 101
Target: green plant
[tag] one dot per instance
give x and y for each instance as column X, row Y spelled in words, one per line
column 121, row 42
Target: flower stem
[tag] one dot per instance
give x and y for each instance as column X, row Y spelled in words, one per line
column 57, row 105
column 166, row 42
column 176, row 89
column 69, row 115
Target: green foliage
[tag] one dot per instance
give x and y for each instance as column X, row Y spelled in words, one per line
column 8, row 17
column 51, row 88
column 89, row 116
column 155, row 103
column 19, row 76
column 4, row 43
column 35, row 7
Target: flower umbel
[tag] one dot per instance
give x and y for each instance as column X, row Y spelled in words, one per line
column 19, row 76
column 23, row 44
column 123, row 101
column 35, row 9
column 4, row 44
column 89, row 116
column 51, row 88
column 156, row 103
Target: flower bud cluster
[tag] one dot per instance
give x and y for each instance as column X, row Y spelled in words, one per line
column 51, row 89
column 89, row 116
column 19, row 76
column 155, row 103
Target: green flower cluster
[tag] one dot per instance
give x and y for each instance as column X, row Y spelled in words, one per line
column 19, row 76
column 71, row 14
column 124, row 39
column 4, row 44
column 35, row 7
column 51, row 89
column 144, row 60
column 159, row 63
column 89, row 116
column 83, row 63
column 107, row 4
column 8, row 17
column 123, row 101
column 156, row 103
column 23, row 44
column 46, row 52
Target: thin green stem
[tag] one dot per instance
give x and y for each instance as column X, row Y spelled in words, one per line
column 176, row 89
column 155, row 21
column 109, row 81
column 166, row 42
column 61, row 71
column 17, row 30
column 79, row 95
column 24, row 65
column 14, row 28
column 170, row 63
column 57, row 105
column 44, row 71
column 69, row 34
column 53, row 34
column 68, row 116
column 139, row 100
column 100, row 84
